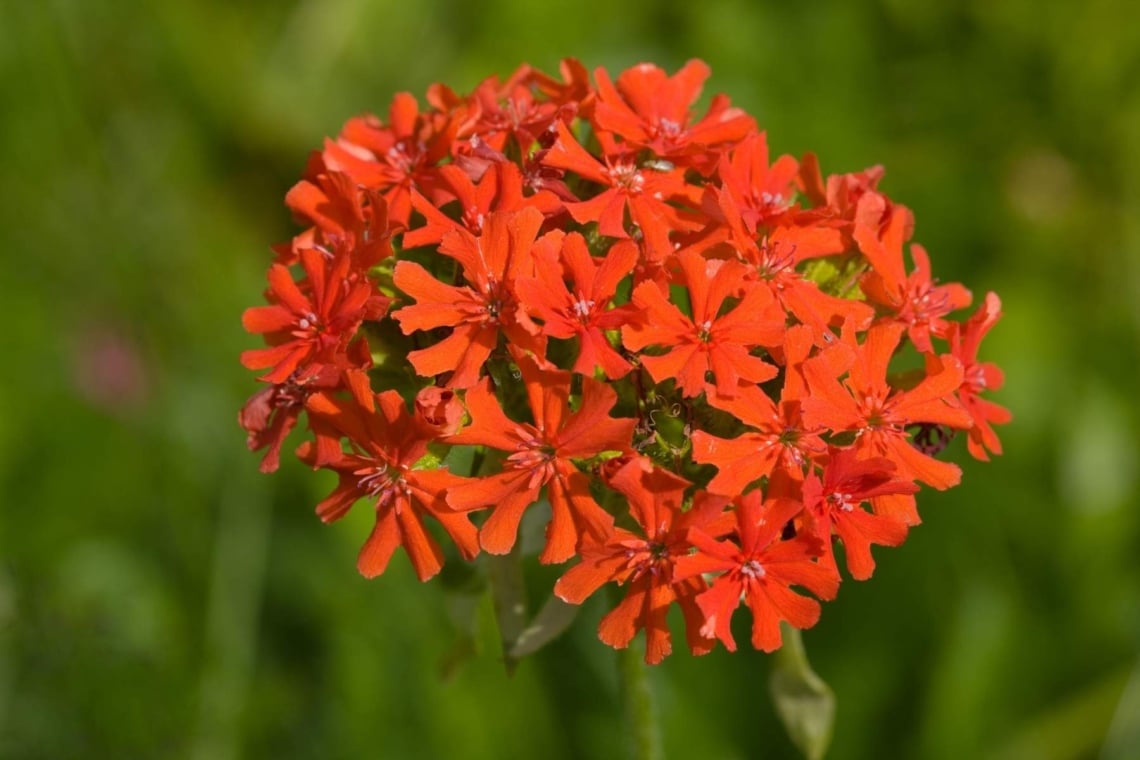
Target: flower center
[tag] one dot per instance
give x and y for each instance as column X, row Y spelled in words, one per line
column 382, row 482
column 704, row 331
column 473, row 219
column 773, row 202
column 290, row 394
column 753, row 569
column 775, row 260
column 646, row 557
column 582, row 307
column 976, row 378
column 924, row 304
column 841, row 500
column 626, row 177
column 494, row 300
column 401, row 158
column 308, row 324
column 873, row 409
column 668, row 128
column 537, row 456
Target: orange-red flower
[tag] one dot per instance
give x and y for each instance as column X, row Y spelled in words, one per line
column 385, row 447
column 396, row 157
column 913, row 299
column 707, row 341
column 270, row 414
column 540, row 455
column 650, row 109
column 978, row 377
column 344, row 217
column 777, row 260
column 499, row 189
column 644, row 563
column 833, row 504
column 311, row 325
column 585, row 313
column 759, row 568
column 779, row 438
column 760, row 193
column 644, row 190
column 879, row 414
column 479, row 311
column 511, row 111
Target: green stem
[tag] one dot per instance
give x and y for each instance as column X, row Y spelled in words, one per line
column 640, row 710
column 848, row 286
column 805, row 704
column 508, row 594
column 792, row 654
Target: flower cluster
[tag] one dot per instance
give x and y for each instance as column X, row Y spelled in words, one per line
column 704, row 369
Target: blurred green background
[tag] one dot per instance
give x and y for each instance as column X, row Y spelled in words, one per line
column 160, row 598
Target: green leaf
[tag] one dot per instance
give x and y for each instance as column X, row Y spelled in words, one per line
column 460, row 460
column 805, row 704
column 821, row 271
column 1102, row 715
column 554, row 618
column 463, row 592
column 462, row 610
column 508, row 593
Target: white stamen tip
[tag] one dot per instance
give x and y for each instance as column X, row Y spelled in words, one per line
column 753, row 569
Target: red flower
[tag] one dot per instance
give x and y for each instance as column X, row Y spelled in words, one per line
column 761, row 193
column 651, row 109
column 574, row 88
column 510, row 110
column 480, row 311
column 833, row 504
column 344, row 217
column 644, row 565
column 879, row 414
column 914, row 299
column 759, row 571
column 540, row 455
column 499, row 189
column 311, row 326
column 395, row 157
column 779, row 439
column 707, row 342
column 582, row 233
column 644, row 191
column 268, row 416
column 978, row 377
column 385, row 448
column 776, row 258
column 840, row 196
column 585, row 313
column 270, row 413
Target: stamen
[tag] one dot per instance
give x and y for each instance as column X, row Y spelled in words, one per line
column 753, row 569
column 841, row 501
column 309, row 321
column 669, row 128
column 976, row 378
column 768, row 199
column 582, row 307
column 374, row 480
column 627, row 177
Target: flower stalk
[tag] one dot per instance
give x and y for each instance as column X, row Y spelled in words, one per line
column 640, row 708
